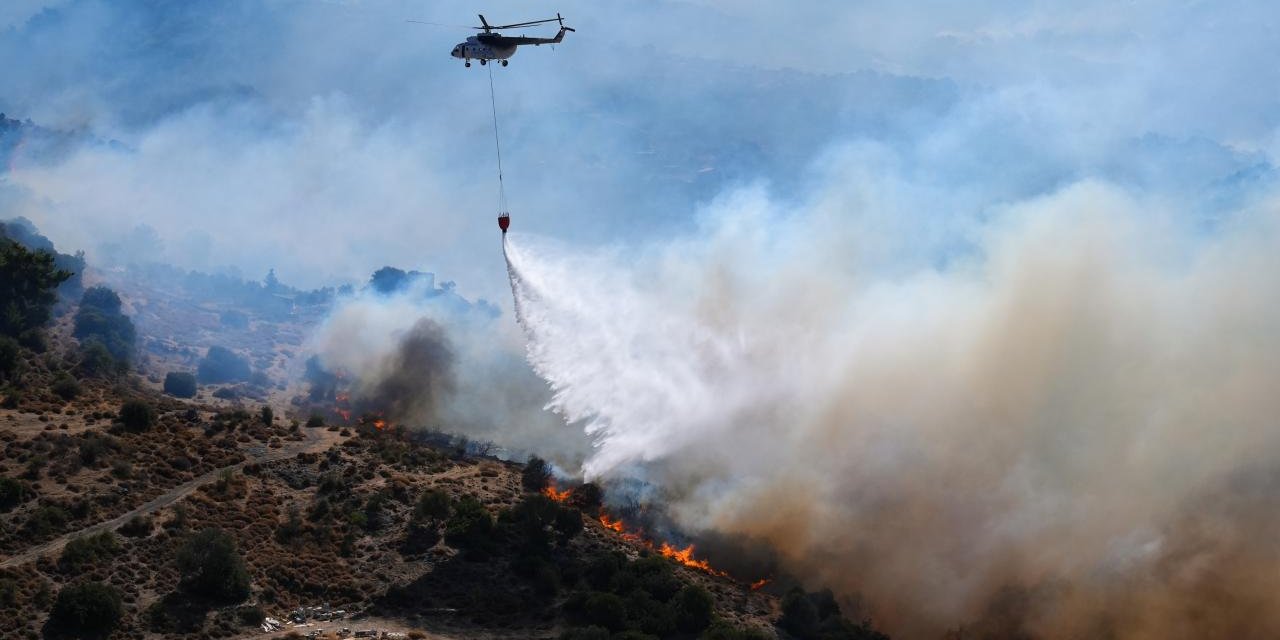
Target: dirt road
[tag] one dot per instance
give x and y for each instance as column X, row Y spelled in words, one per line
column 313, row 440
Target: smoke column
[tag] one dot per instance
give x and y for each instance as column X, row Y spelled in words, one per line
column 1068, row 430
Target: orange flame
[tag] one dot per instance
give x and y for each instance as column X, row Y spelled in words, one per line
column 558, row 496
column 610, row 523
column 685, row 557
column 759, row 584
column 346, row 415
column 380, row 424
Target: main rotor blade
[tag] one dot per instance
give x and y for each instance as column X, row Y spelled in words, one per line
column 527, row 24
column 440, row 24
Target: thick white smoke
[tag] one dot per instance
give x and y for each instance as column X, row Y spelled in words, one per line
column 1040, row 412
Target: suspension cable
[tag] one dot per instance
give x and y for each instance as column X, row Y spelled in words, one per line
column 497, row 145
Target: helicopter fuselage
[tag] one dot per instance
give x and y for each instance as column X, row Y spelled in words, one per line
column 494, row 46
column 474, row 49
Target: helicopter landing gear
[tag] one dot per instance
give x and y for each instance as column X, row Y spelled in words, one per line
column 468, row 65
column 483, row 62
column 504, row 63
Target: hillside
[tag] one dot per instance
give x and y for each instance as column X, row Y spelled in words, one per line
column 136, row 505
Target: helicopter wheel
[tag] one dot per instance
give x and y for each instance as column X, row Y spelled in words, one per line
column 504, row 63
column 483, row 62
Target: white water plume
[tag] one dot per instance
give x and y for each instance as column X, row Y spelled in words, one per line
column 1043, row 412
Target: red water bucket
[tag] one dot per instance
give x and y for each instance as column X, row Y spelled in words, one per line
column 504, row 221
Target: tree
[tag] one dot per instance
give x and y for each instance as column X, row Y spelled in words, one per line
column 137, row 415
column 13, row 493
column 88, row 610
column 693, row 608
column 99, row 318
column 470, row 525
column 221, row 364
column 536, row 474
column 211, row 566
column 85, row 550
column 180, row 384
column 267, row 415
column 28, row 280
column 65, row 387
column 433, row 504
column 799, row 614
column 8, row 357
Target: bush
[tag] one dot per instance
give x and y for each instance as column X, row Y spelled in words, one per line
column 316, row 420
column 46, row 520
column 252, row 615
column 433, row 504
column 138, row 526
column 137, row 416
column 267, row 415
column 28, row 280
column 724, row 631
column 13, row 493
column 606, row 610
column 90, row 610
column 586, row 633
column 222, row 365
column 99, row 318
column 180, row 384
column 83, row 551
column 693, row 608
column 211, row 566
column 470, row 525
column 799, row 615
column 66, row 387
column 8, row 357
column 97, row 362
column 536, row 474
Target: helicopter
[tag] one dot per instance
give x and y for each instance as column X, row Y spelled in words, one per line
column 495, row 46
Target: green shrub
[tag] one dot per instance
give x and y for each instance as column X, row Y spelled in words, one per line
column 267, row 416
column 586, row 633
column 137, row 416
column 693, row 607
column 606, row 610
column 211, row 566
column 724, row 631
column 97, row 362
column 251, row 615
column 470, row 525
column 46, row 520
column 536, row 474
column 8, row 357
column 99, row 318
column 433, row 504
column 28, row 280
column 220, row 365
column 90, row 610
column 65, row 387
column 82, row 551
column 13, row 492
column 138, row 526
column 799, row 615
column 180, row 384
column 316, row 420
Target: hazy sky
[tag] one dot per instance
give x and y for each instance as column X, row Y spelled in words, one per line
column 327, row 138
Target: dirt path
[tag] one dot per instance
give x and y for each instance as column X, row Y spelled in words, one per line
column 313, row 440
